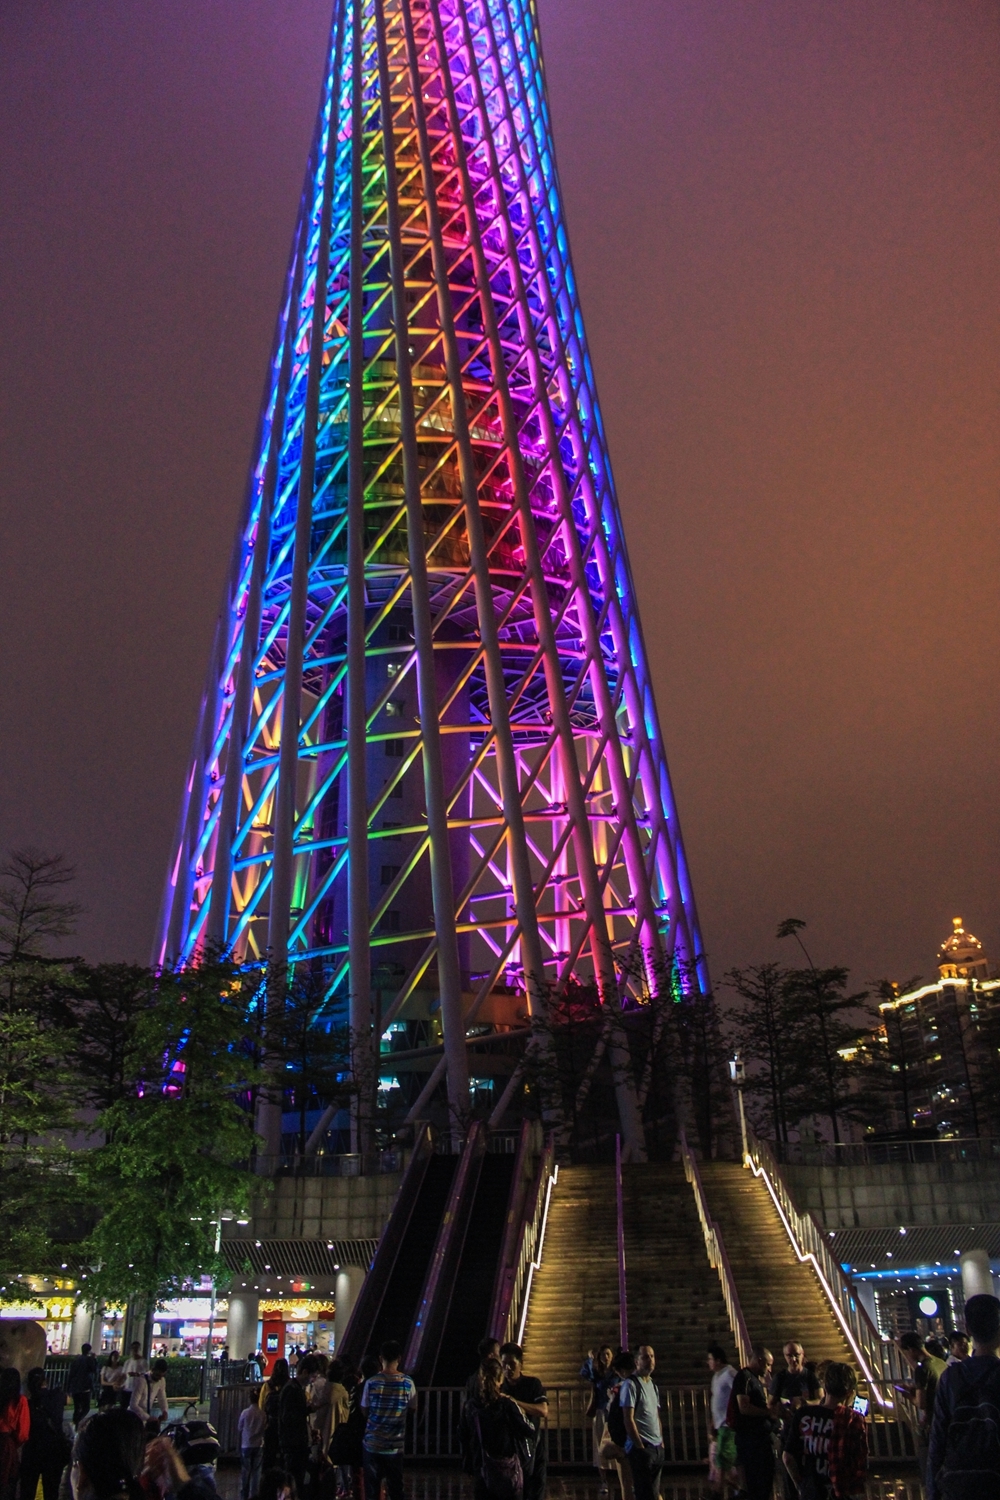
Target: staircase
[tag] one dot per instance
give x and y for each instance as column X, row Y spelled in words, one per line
column 780, row 1296
column 675, row 1301
column 574, row 1294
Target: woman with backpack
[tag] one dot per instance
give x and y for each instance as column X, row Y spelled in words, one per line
column 495, row 1437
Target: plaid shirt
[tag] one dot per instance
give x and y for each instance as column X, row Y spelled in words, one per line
column 385, row 1398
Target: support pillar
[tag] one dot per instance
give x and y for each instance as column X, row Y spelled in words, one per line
column 349, row 1283
column 241, row 1327
column 977, row 1277
column 85, row 1329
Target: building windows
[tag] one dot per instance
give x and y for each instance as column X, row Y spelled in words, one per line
column 389, row 922
column 395, row 748
column 389, row 873
column 392, row 838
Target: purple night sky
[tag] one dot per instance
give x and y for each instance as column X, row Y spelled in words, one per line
column 784, row 222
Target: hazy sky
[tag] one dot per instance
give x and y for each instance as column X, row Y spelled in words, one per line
column 784, row 221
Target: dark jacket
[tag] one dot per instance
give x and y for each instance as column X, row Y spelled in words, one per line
column 82, row 1374
column 293, row 1420
column 503, row 1429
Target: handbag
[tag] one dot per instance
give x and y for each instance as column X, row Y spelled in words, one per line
column 503, row 1477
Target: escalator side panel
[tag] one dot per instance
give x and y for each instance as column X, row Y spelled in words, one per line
column 471, row 1288
column 394, row 1319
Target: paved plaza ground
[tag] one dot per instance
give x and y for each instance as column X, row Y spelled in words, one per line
column 450, row 1484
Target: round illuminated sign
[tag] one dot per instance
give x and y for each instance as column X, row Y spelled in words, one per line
column 928, row 1306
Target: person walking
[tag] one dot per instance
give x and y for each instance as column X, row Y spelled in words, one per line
column 495, row 1436
column 250, row 1426
column 927, row 1370
column 596, row 1370
column 963, row 1459
column 80, row 1381
column 136, row 1376
column 825, row 1453
column 722, row 1438
column 529, row 1393
column 640, row 1404
column 112, row 1380
column 385, row 1400
column 15, row 1427
column 47, row 1450
column 754, row 1424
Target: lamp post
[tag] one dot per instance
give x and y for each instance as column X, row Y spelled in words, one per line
column 737, row 1076
column 206, row 1372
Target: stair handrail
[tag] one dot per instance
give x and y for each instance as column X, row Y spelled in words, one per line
column 522, row 1180
column 532, row 1242
column 620, row 1230
column 717, row 1257
column 879, row 1360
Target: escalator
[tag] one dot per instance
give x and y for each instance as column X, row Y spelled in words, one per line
column 467, row 1315
column 436, row 1282
column 388, row 1301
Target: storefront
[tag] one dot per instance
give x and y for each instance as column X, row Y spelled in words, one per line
column 180, row 1326
column 295, row 1323
column 55, row 1313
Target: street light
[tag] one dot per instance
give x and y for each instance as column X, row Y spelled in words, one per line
column 737, row 1076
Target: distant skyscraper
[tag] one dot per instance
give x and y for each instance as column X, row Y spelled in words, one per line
column 428, row 763
column 943, row 1041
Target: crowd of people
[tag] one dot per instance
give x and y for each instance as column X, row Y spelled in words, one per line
column 324, row 1430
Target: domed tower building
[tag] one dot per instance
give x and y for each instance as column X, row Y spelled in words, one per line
column 944, row 1044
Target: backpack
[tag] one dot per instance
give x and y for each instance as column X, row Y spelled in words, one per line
column 615, row 1425
column 970, row 1469
column 502, row 1477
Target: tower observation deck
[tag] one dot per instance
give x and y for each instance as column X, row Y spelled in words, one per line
column 428, row 764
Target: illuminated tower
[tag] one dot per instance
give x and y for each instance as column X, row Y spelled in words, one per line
column 428, row 763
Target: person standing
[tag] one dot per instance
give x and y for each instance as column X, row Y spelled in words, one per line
column 640, row 1404
column 113, row 1381
column 495, row 1433
column 529, row 1393
column 485, row 1349
column 927, row 1370
column 791, row 1389
column 250, row 1426
column 722, row 1438
column 967, row 1412
column 754, row 1424
column 80, row 1381
column 385, row 1400
column 596, row 1370
column 958, row 1348
column 826, row 1447
column 293, row 1426
column 136, row 1377
column 270, row 1395
column 15, row 1428
column 47, row 1450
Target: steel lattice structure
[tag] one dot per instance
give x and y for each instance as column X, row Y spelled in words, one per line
column 428, row 760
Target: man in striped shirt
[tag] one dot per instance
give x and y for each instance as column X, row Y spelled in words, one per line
column 385, row 1401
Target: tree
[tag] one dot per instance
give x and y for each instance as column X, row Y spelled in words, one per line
column 30, row 916
column 180, row 1140
column 103, row 1003
column 305, row 1059
column 35, row 1105
column 763, row 1028
column 824, row 1036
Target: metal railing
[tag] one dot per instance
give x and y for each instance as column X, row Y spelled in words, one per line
column 887, row 1153
column 433, row 1428
column 717, row 1256
column 333, row 1163
column 878, row 1360
column 532, row 1241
